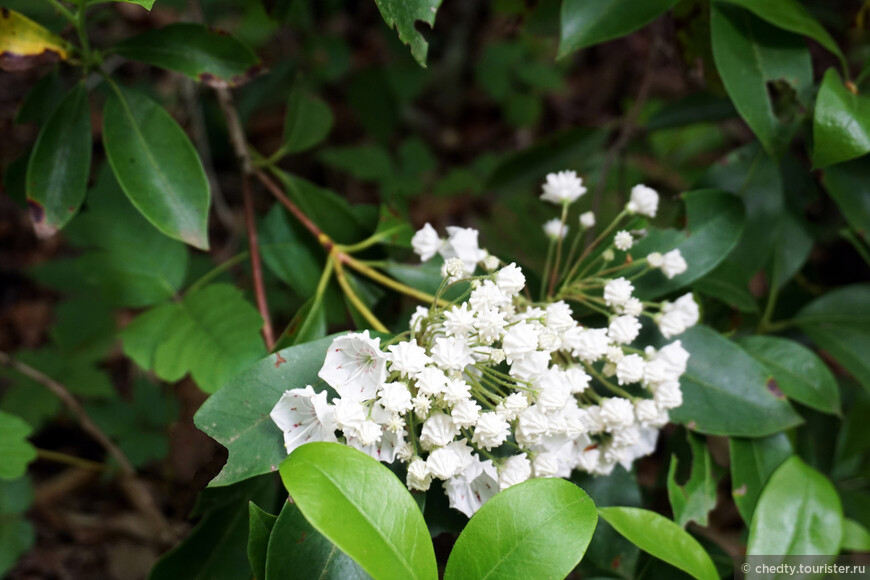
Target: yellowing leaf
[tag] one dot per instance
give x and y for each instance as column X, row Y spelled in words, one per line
column 25, row 44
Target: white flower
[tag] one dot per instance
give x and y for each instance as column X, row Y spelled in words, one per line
column 304, row 416
column 510, row 279
column 577, row 380
column 549, row 341
column 554, row 229
column 422, row 404
column 617, row 413
column 630, row 369
column 623, row 329
column 407, row 358
column 591, row 344
column 419, row 477
column 369, row 433
column 559, row 317
column 588, row 459
column 668, row 395
column 617, row 292
column 349, row 415
column 554, row 395
column 490, row 263
column 396, row 398
column 649, row 414
column 520, row 340
column 405, row 452
column 387, row 449
column 455, row 391
column 591, row 419
column 453, row 269
column 562, row 187
column 587, row 220
column 614, row 354
column 490, row 431
column 511, row 406
column 675, row 358
column 355, row 366
column 487, row 295
column 644, row 200
column 426, row 242
column 465, row 413
column 676, row 317
column 490, row 324
column 431, row 381
column 655, row 260
column 438, row 430
column 515, row 469
column 530, row 367
column 546, row 465
column 459, row 320
column 531, row 425
column 443, row 463
column 633, row 307
column 673, row 264
column 623, row 240
column 416, row 322
column 471, row 489
column 452, row 353
column 462, row 243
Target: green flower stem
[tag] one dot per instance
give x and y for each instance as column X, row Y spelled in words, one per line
column 547, row 265
column 215, row 272
column 594, row 243
column 66, row 459
column 355, row 300
column 554, row 275
column 607, row 384
column 387, row 281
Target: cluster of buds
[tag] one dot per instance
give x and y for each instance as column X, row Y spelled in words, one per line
column 493, row 388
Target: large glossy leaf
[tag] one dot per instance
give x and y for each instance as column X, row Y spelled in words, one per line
column 201, row 53
column 297, row 550
column 60, row 164
column 212, row 334
column 157, row 166
column 751, row 57
column 15, row 451
column 537, row 529
column 662, row 538
column 792, row 16
column 586, row 23
column 715, row 223
column 856, row 537
column 25, row 44
column 849, row 184
column 308, row 121
column 839, row 322
column 841, row 125
column 362, row 507
column 287, row 254
column 260, row 526
column 727, row 392
column 237, row 416
column 694, row 500
column 41, row 100
column 753, row 461
column 404, row 15
column 798, row 372
column 798, row 513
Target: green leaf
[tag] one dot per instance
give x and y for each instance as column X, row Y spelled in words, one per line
column 297, row 550
column 798, row 513
column 59, row 166
column 404, row 15
column 798, row 372
column 201, row 53
column 662, row 538
column 308, row 324
column 216, row 547
column 753, row 461
column 146, row 4
column 715, row 223
column 792, row 16
column 362, row 507
column 365, row 162
column 286, row 254
column 839, row 322
column 260, row 526
column 752, row 57
column 16, row 534
column 212, row 334
column 791, row 250
column 42, row 100
column 856, row 538
column 691, row 109
column 25, row 44
column 727, row 283
column 849, row 184
column 394, row 227
column 841, row 125
column 694, row 500
column 537, row 529
column 587, row 23
column 308, row 121
column 16, row 452
column 157, row 166
column 726, row 392
column 237, row 416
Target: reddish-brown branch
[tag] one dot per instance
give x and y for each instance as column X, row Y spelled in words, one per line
column 294, row 209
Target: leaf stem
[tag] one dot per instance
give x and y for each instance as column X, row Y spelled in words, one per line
column 389, row 282
column 355, row 300
column 64, row 11
column 67, row 459
column 215, row 272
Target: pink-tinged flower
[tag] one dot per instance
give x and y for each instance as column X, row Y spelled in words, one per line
column 304, row 416
column 355, row 366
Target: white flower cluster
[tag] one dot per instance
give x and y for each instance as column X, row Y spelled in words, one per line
column 493, row 389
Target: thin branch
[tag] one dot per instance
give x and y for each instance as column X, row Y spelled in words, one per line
column 294, row 209
column 134, row 489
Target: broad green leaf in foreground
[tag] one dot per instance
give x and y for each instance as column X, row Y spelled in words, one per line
column 260, row 526
column 694, row 500
column 727, row 392
column 237, row 416
column 753, row 461
column 839, row 322
column 586, row 23
column 662, row 538
column 201, row 53
column 798, row 372
column 297, row 550
column 404, row 15
column 537, row 529
column 16, row 452
column 157, row 166
column 362, row 507
column 856, row 537
column 849, row 184
column 798, row 513
column 841, row 125
column 60, row 164
column 212, row 334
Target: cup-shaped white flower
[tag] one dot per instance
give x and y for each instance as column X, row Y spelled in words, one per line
column 515, row 469
column 407, row 358
column 644, row 200
column 673, row 264
column 304, row 416
column 623, row 329
column 510, row 279
column 490, row 431
column 462, row 243
column 472, row 488
column 438, row 431
column 355, row 366
column 426, row 242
